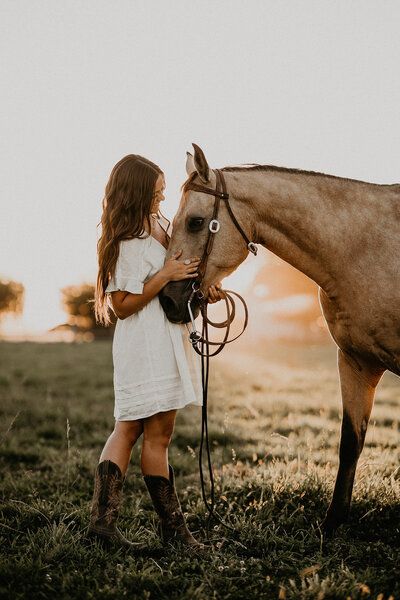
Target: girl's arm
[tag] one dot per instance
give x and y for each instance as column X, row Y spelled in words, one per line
column 122, row 304
column 126, row 303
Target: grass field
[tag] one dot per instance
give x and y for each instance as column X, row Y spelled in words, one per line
column 274, row 421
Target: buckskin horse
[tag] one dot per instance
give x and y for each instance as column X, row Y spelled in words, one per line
column 342, row 233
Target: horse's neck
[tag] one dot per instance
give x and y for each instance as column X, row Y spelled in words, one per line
column 308, row 220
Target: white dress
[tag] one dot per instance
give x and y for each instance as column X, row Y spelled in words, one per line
column 155, row 367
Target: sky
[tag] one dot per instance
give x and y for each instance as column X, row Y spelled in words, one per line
column 307, row 84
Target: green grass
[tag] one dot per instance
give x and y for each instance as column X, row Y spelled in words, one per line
column 274, row 421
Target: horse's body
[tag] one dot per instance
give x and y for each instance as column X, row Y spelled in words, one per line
column 345, row 235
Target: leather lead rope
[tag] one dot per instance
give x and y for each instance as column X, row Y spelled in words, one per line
column 205, row 354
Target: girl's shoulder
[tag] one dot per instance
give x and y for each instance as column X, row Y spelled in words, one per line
column 136, row 240
column 134, row 243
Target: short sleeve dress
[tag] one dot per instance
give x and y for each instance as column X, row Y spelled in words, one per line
column 155, row 366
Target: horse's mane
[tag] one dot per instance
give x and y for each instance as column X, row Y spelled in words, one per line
column 258, row 167
column 273, row 168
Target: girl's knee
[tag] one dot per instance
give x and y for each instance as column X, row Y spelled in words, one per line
column 130, row 430
column 158, row 437
column 158, row 430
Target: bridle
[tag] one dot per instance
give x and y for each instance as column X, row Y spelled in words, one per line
column 200, row 341
column 220, row 192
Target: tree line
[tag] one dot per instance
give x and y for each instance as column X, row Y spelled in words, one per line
column 76, row 300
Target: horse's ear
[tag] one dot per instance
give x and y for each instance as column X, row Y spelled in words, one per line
column 201, row 164
column 190, row 168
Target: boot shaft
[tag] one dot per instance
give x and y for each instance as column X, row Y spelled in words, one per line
column 166, row 503
column 107, row 494
column 163, row 494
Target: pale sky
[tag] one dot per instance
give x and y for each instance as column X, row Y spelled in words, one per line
column 307, row 84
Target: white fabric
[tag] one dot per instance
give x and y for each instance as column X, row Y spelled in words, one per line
column 155, row 366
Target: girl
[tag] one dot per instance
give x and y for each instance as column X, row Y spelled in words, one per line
column 156, row 370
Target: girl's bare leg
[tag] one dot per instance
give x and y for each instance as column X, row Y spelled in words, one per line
column 118, row 447
column 157, row 434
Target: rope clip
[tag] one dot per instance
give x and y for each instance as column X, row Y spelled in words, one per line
column 194, row 336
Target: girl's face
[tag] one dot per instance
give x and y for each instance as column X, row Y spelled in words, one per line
column 158, row 195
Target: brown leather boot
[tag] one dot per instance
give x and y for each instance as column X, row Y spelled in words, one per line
column 166, row 503
column 107, row 497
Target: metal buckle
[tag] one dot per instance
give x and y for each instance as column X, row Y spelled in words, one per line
column 195, row 337
column 196, row 290
column 252, row 247
column 214, row 226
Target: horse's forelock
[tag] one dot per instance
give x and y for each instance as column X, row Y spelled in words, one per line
column 189, row 179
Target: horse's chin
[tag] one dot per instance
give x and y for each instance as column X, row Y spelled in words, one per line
column 174, row 298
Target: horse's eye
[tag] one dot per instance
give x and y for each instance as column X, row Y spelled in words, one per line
column 195, row 223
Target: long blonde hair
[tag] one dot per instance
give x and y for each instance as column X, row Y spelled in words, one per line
column 126, row 206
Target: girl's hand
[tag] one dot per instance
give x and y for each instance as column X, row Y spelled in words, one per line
column 175, row 269
column 214, row 295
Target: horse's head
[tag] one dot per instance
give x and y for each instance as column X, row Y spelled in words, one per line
column 190, row 232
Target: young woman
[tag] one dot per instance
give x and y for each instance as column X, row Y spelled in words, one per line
column 156, row 370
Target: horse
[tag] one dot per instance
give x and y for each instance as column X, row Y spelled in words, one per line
column 342, row 233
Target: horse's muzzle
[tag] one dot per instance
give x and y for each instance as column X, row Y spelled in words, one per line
column 174, row 298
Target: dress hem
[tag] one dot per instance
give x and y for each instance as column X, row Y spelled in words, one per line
column 158, row 410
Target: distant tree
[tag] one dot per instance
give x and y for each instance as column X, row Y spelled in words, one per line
column 11, row 297
column 77, row 301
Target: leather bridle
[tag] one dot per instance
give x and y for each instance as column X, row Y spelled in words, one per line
column 220, row 193
column 200, row 341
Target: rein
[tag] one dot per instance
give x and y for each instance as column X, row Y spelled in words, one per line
column 200, row 341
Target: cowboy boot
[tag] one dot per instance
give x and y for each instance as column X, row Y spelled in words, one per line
column 107, row 497
column 166, row 503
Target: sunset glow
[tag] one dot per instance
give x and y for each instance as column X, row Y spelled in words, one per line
column 78, row 99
